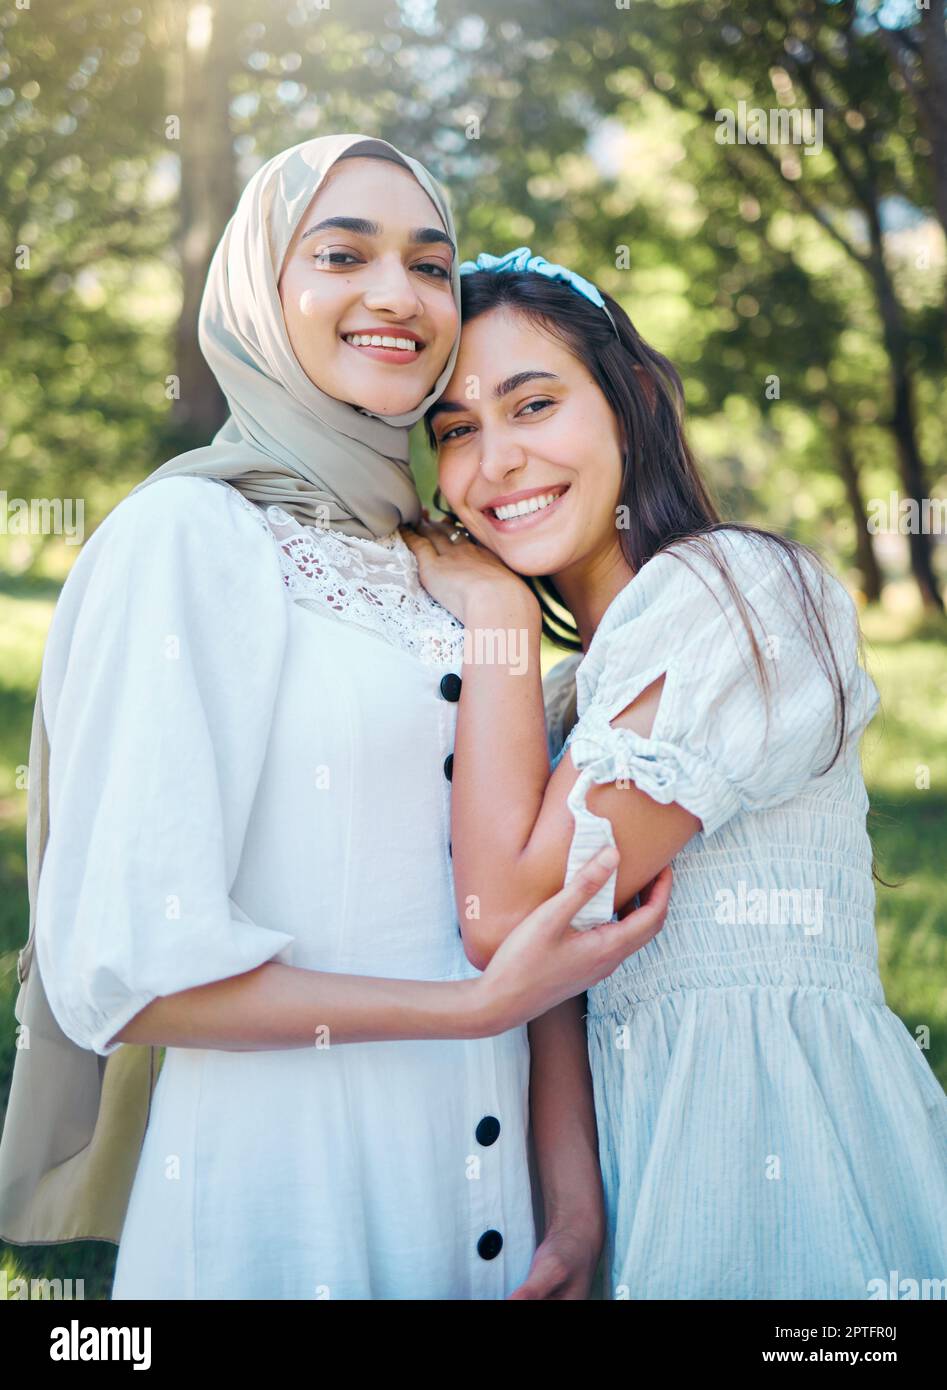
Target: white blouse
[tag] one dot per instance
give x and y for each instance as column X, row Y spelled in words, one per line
column 250, row 724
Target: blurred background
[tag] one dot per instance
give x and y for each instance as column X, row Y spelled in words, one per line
column 791, row 265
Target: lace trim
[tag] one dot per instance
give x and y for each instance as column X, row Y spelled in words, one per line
column 371, row 583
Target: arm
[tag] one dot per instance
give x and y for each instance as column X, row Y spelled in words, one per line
column 280, row 1006
column 563, row 1116
column 512, row 830
column 564, row 1130
column 543, row 962
column 511, row 826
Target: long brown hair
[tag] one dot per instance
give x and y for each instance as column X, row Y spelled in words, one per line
column 662, row 492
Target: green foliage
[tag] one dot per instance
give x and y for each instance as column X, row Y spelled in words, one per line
column 587, row 131
column 79, row 113
column 579, row 129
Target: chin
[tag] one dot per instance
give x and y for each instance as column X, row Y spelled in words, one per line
column 531, row 560
column 534, row 569
column 385, row 401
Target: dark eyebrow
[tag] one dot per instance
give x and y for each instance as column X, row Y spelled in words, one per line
column 502, row 388
column 426, row 236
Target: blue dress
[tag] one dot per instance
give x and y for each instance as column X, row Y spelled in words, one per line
column 768, row 1128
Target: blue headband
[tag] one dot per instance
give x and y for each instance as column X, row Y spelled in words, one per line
column 523, row 259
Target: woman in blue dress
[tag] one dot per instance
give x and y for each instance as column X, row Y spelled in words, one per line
column 767, row 1127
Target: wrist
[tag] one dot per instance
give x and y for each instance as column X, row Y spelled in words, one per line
column 503, row 631
column 583, row 1220
column 509, row 602
column 573, row 1197
column 486, row 1015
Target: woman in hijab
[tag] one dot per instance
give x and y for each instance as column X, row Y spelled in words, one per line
column 246, row 712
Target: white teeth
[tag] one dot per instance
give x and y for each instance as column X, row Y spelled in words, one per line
column 529, row 504
column 381, row 340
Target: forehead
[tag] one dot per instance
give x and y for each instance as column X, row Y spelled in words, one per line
column 377, row 190
column 502, row 341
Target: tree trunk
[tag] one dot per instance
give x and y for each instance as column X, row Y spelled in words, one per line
column 865, row 556
column 919, row 53
column 206, row 60
column 933, row 57
column 933, row 64
column 903, row 424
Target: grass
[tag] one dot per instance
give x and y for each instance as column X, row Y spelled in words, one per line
column 905, row 761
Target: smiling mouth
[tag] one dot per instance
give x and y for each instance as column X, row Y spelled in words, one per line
column 515, row 515
column 385, row 347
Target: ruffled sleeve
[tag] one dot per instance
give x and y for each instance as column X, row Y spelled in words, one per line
column 159, row 682
column 717, row 746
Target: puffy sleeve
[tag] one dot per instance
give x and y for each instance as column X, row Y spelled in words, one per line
column 159, row 682
column 720, row 743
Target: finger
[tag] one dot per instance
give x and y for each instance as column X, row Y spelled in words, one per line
column 658, row 890
column 544, row 1280
column 593, row 875
column 418, row 545
column 535, row 1288
column 652, row 907
column 644, row 922
column 438, row 533
column 435, row 538
column 446, row 529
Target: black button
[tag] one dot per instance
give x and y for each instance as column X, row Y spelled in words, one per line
column 489, row 1245
column 450, row 848
column 449, row 767
column 488, row 1130
column 450, row 686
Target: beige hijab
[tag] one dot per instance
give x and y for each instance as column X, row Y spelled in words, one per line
column 286, row 441
column 75, row 1121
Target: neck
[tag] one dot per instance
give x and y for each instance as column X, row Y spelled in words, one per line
column 588, row 587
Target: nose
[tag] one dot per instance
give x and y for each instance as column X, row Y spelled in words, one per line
column 391, row 290
column 500, row 457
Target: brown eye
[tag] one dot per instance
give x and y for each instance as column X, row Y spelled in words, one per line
column 454, row 433
column 335, row 258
